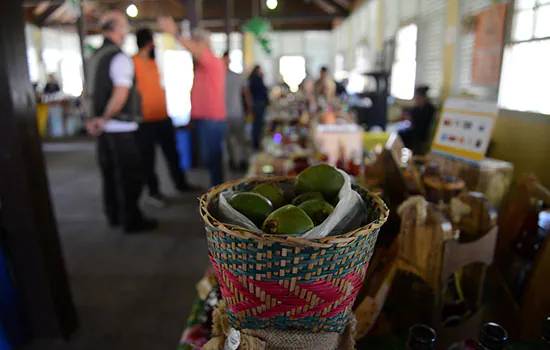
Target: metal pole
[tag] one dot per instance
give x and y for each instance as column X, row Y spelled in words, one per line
column 255, row 8
column 228, row 22
column 193, row 9
column 81, row 26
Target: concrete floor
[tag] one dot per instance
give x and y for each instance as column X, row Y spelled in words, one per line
column 131, row 291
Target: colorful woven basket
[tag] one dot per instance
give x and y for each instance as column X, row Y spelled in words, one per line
column 284, row 282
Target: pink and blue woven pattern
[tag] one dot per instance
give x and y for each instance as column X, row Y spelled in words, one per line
column 285, row 282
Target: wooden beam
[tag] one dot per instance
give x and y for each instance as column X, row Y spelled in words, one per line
column 326, row 6
column 43, row 6
column 229, row 6
column 343, row 3
column 193, row 12
column 43, row 17
column 30, row 3
column 342, row 6
column 31, row 237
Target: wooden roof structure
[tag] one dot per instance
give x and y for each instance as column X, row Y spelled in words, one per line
column 289, row 14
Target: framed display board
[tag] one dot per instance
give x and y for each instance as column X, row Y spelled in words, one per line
column 465, row 129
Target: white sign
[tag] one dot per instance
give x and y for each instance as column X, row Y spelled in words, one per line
column 465, row 129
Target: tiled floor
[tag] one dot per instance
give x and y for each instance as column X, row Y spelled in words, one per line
column 131, row 292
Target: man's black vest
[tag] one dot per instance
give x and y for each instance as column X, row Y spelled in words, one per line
column 99, row 85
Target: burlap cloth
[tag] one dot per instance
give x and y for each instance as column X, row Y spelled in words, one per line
column 271, row 339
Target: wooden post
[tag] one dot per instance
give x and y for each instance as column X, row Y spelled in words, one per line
column 193, row 11
column 228, row 22
column 81, row 26
column 31, row 239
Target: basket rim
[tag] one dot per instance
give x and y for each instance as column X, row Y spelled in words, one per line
column 243, row 233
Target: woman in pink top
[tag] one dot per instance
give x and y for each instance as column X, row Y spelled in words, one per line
column 207, row 97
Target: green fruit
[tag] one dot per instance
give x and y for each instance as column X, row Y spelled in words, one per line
column 306, row 197
column 287, row 220
column 252, row 205
column 320, row 178
column 272, row 192
column 317, row 210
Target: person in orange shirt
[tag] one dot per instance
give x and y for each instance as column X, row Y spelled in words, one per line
column 157, row 127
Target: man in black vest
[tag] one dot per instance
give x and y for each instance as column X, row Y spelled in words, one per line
column 115, row 104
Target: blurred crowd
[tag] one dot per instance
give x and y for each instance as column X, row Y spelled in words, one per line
column 126, row 107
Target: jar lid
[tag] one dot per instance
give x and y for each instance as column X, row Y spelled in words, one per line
column 421, row 337
column 493, row 336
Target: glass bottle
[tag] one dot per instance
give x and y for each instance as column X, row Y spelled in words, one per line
column 524, row 249
column 421, row 337
column 492, row 337
column 341, row 162
column 545, row 334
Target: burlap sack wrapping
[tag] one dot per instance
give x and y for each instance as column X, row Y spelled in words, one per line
column 280, row 340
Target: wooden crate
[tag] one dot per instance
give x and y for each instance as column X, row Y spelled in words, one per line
column 492, row 177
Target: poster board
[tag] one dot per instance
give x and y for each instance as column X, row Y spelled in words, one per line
column 464, row 129
column 488, row 45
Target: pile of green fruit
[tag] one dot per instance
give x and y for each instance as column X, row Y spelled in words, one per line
column 316, row 190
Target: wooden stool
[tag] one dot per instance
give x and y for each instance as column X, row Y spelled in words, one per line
column 427, row 249
column 442, row 189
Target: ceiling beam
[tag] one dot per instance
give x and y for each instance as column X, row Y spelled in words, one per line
column 326, row 6
column 29, row 3
column 342, row 5
column 237, row 21
column 43, row 17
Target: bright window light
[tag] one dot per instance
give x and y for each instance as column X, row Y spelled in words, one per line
column 236, row 61
column 525, row 70
column 271, row 4
column 293, row 70
column 525, row 76
column 132, row 11
column 403, row 76
column 178, row 85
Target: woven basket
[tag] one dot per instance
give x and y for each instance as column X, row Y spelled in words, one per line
column 283, row 282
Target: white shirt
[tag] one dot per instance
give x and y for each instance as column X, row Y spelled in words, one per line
column 121, row 72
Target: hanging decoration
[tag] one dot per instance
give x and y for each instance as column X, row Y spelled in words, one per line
column 260, row 28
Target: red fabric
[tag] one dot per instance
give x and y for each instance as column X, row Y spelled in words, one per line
column 208, row 92
column 331, row 296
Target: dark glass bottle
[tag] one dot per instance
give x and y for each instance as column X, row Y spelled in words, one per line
column 545, row 334
column 492, row 337
column 524, row 249
column 421, row 337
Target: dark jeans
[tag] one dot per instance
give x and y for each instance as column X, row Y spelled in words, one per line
column 121, row 170
column 211, row 135
column 162, row 133
column 258, row 124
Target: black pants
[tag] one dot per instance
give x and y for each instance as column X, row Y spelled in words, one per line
column 258, row 125
column 149, row 135
column 120, row 164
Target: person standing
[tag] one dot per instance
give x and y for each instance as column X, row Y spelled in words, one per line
column 260, row 101
column 235, row 89
column 157, row 127
column 208, row 114
column 113, row 103
column 422, row 116
column 325, row 87
column 52, row 86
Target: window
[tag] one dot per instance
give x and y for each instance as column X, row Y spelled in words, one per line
column 236, row 61
column 403, row 74
column 339, row 70
column 525, row 70
column 178, row 85
column 293, row 71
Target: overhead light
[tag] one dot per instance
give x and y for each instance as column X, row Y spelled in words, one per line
column 271, row 4
column 132, row 11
